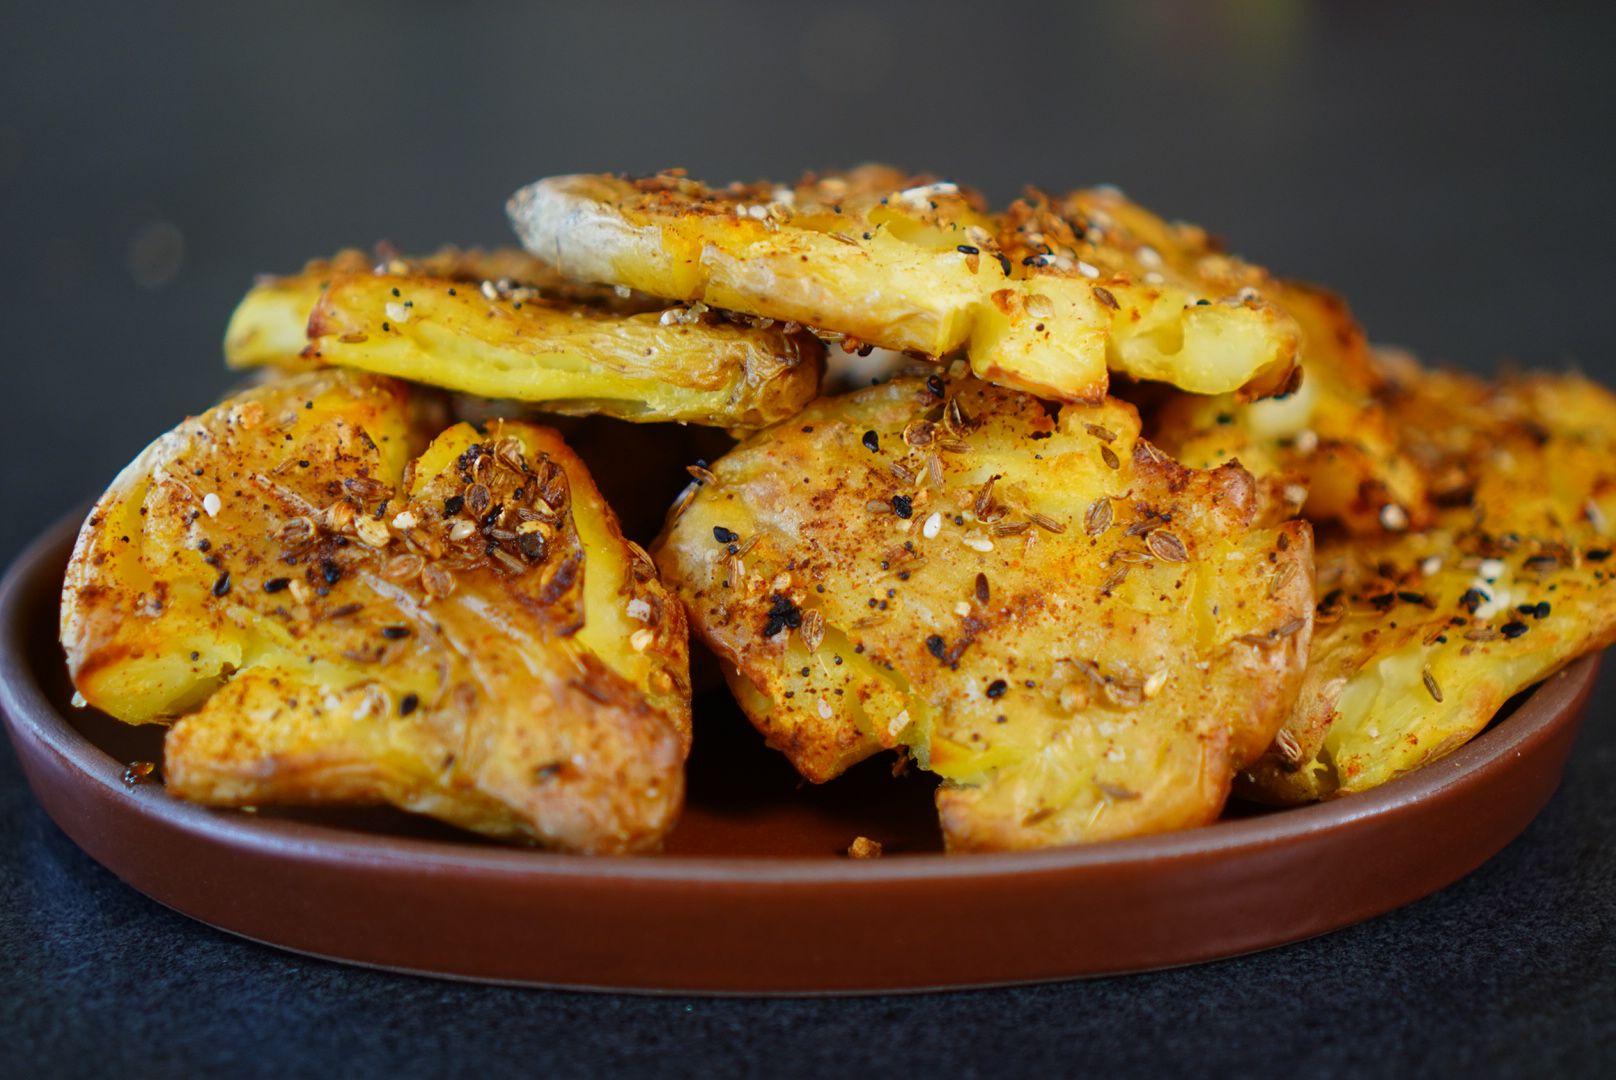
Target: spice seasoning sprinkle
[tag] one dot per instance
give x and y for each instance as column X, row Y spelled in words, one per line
column 1430, row 684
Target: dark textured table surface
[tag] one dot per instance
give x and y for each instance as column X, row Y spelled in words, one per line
column 1451, row 173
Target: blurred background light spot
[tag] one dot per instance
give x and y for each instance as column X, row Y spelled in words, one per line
column 156, row 254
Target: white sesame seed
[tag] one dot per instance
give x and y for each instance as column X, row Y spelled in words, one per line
column 825, row 712
column 639, row 609
column 405, row 520
column 1431, row 565
column 1393, row 517
column 1491, row 569
column 397, row 311
column 211, row 503
column 489, row 290
column 1307, row 440
column 933, row 526
column 460, row 530
column 1295, row 494
column 977, row 543
column 641, row 639
column 1154, row 684
column 962, row 608
column 1148, row 256
column 623, row 291
column 1114, row 754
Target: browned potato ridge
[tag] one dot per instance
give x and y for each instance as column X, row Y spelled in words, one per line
column 332, row 609
column 1083, row 638
column 1422, row 637
column 917, row 265
column 571, row 349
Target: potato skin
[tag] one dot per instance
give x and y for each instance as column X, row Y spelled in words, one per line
column 1423, row 636
column 1083, row 638
column 915, row 265
column 317, row 610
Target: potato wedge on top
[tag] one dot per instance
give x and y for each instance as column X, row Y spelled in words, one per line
column 1331, row 447
column 1423, row 637
column 571, row 349
column 1084, row 639
column 910, row 264
column 331, row 618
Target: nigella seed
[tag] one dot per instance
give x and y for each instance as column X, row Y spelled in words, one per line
column 408, row 704
column 934, row 383
column 1513, row 629
column 997, row 687
column 872, row 442
column 393, row 633
column 275, row 585
column 724, row 536
column 330, row 571
column 221, row 585
column 453, row 504
column 902, row 505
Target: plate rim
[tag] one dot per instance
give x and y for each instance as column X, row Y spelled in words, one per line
column 30, row 713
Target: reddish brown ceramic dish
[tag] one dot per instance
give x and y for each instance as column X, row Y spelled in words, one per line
column 753, row 895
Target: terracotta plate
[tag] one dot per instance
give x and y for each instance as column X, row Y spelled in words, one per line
column 753, row 895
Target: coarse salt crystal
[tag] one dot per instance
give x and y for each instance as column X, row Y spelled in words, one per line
column 405, row 520
column 640, row 609
column 641, row 639
column 397, row 311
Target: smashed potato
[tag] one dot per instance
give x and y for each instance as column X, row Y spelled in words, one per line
column 327, row 617
column 1423, row 637
column 439, row 322
column 1331, row 448
column 917, row 265
column 1083, row 638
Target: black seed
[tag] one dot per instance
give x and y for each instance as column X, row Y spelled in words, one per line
column 936, row 646
column 967, row 249
column 902, row 505
column 997, row 687
column 453, row 505
column 934, row 383
column 1596, row 554
column 407, row 704
column 330, row 571
column 222, row 584
column 1513, row 629
column 872, row 442
column 783, row 615
column 723, row 535
column 204, row 544
column 1004, row 264
column 276, row 584
column 1473, row 599
column 393, row 633
column 1411, row 597
column 1542, row 610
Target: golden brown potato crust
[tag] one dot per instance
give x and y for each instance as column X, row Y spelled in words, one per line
column 332, row 618
column 1423, row 636
column 1083, row 638
column 500, row 325
column 913, row 264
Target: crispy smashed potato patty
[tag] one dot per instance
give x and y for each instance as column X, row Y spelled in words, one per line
column 1083, row 638
column 1042, row 299
column 500, row 325
column 1423, row 637
column 333, row 609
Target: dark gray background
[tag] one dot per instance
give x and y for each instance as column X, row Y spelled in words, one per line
column 1450, row 172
